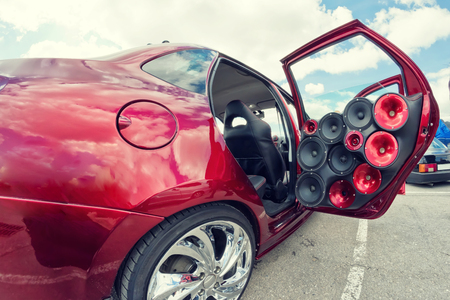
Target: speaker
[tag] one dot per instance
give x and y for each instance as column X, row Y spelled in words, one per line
column 341, row 161
column 366, row 179
column 342, row 194
column 353, row 140
column 311, row 154
column 358, row 114
column 331, row 128
column 310, row 127
column 391, row 112
column 381, row 149
column 310, row 189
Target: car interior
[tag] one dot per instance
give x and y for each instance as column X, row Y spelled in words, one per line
column 254, row 127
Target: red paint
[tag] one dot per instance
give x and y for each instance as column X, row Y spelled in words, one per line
column 310, row 127
column 77, row 190
column 342, row 194
column 381, row 149
column 391, row 112
column 353, row 140
column 366, row 179
column 414, row 82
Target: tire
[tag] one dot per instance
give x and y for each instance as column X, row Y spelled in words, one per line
column 205, row 252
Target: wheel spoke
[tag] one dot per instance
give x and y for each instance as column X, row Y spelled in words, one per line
column 235, row 246
column 164, row 285
column 228, row 295
column 237, row 279
column 206, row 243
column 189, row 268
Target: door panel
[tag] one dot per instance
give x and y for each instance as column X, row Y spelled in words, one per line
column 356, row 152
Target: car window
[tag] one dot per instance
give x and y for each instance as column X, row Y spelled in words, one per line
column 329, row 79
column 186, row 69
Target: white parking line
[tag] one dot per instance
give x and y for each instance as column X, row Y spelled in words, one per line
column 355, row 278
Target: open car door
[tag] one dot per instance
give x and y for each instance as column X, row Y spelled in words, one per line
column 358, row 145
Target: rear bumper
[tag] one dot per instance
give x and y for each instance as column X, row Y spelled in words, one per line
column 423, row 178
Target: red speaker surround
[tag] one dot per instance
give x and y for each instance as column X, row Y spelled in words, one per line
column 366, row 179
column 310, row 127
column 342, row 194
column 391, row 112
column 354, row 140
column 381, row 149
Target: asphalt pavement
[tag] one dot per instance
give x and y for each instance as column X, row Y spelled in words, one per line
column 405, row 254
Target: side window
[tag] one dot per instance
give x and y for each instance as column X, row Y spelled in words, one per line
column 186, row 69
column 329, row 79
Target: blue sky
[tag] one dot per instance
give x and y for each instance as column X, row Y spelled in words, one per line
column 256, row 32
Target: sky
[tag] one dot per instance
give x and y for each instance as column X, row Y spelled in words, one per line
column 256, row 32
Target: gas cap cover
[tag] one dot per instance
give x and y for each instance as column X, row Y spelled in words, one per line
column 146, row 125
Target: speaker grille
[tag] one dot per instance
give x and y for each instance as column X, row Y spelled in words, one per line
column 358, row 114
column 310, row 189
column 311, row 154
column 332, row 128
column 341, row 161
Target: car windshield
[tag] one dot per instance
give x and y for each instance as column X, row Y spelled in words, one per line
column 437, row 144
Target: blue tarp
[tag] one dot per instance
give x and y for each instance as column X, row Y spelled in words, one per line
column 443, row 133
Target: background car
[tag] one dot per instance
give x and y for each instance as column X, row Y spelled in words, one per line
column 433, row 167
column 152, row 173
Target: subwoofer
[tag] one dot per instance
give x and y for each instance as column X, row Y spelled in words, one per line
column 331, row 128
column 342, row 194
column 381, row 149
column 358, row 114
column 353, row 140
column 310, row 189
column 391, row 112
column 366, row 179
column 341, row 161
column 310, row 127
column 311, row 154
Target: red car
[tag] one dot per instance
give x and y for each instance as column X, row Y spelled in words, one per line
column 152, row 173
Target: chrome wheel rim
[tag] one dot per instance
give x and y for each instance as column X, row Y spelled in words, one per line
column 211, row 260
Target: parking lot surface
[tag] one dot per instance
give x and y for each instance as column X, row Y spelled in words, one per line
column 405, row 254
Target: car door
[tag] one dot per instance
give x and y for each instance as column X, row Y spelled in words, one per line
column 356, row 154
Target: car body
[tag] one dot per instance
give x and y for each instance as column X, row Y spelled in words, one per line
column 433, row 167
column 113, row 169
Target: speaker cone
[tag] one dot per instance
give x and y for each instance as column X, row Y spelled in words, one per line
column 391, row 112
column 332, row 128
column 311, row 154
column 381, row 149
column 366, row 179
column 310, row 127
column 342, row 194
column 354, row 140
column 358, row 114
column 310, row 189
column 341, row 161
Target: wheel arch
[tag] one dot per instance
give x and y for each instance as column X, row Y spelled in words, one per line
column 241, row 207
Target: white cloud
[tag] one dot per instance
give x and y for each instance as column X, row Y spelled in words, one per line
column 416, row 2
column 339, row 59
column 314, row 89
column 439, row 82
column 60, row 49
column 413, row 29
column 259, row 33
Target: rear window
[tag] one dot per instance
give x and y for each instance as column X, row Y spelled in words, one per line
column 186, row 69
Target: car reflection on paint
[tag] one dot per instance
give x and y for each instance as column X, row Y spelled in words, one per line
column 127, row 175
